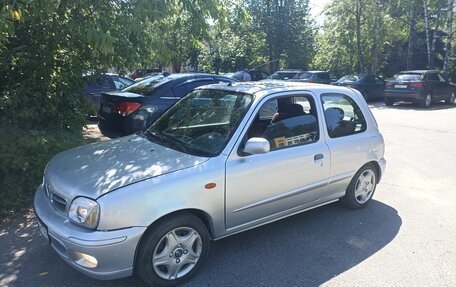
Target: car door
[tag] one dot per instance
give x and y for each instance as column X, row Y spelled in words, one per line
column 434, row 85
column 379, row 87
column 347, row 137
column 445, row 87
column 292, row 176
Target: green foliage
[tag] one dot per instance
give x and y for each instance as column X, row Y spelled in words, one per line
column 46, row 46
column 258, row 32
column 385, row 35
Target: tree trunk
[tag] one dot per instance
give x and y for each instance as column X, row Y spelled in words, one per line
column 411, row 38
column 426, row 26
column 358, row 35
column 434, row 41
column 446, row 62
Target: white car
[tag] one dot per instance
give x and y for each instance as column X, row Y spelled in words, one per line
column 224, row 159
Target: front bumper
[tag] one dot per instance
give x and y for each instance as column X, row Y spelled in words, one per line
column 382, row 164
column 114, row 251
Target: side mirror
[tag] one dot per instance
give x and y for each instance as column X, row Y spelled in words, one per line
column 257, row 146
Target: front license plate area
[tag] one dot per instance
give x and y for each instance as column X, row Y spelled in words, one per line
column 43, row 228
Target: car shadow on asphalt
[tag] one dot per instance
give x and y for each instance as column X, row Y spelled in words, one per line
column 307, row 249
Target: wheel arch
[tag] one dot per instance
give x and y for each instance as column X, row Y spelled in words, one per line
column 202, row 215
column 377, row 167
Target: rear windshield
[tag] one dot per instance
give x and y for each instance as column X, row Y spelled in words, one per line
column 146, row 86
column 348, row 79
column 407, row 77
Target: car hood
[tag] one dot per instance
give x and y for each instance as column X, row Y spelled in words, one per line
column 96, row 169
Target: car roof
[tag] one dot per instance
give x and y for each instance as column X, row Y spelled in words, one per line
column 264, row 88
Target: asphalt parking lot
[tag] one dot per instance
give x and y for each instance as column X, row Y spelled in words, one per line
column 405, row 237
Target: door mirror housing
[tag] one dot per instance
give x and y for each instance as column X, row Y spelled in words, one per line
column 256, row 146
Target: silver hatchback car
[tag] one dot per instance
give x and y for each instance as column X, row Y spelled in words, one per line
column 224, row 159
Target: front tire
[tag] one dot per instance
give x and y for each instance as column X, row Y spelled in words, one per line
column 361, row 188
column 172, row 251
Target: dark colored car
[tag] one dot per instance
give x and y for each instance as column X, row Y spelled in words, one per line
column 95, row 85
column 370, row 86
column 420, row 86
column 138, row 106
column 320, row 77
column 284, row 75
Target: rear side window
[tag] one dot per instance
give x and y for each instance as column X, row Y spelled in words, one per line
column 343, row 116
column 432, row 77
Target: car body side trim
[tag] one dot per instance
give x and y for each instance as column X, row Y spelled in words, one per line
column 341, row 176
column 286, row 194
column 275, row 217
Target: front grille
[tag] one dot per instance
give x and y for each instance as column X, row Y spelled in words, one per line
column 56, row 200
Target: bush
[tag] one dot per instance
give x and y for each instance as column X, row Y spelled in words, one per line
column 23, row 157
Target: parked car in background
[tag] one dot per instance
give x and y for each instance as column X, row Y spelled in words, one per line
column 319, row 77
column 213, row 165
column 135, row 108
column 419, row 86
column 371, row 86
column 95, row 85
column 284, row 75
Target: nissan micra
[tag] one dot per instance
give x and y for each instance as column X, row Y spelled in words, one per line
column 224, row 159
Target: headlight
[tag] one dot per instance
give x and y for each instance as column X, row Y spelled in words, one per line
column 85, row 212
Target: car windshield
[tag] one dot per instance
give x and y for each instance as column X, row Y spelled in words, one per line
column 348, row 79
column 201, row 123
column 407, row 77
column 282, row 75
column 147, row 85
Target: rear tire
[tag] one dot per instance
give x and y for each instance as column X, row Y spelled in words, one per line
column 427, row 101
column 171, row 252
column 389, row 102
column 450, row 101
column 361, row 188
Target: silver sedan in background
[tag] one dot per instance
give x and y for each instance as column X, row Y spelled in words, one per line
column 224, row 159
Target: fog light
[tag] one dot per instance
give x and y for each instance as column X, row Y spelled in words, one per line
column 85, row 260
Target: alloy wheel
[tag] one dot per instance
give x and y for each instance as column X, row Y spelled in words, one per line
column 177, row 253
column 365, row 186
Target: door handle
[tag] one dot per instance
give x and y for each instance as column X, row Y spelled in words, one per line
column 318, row 157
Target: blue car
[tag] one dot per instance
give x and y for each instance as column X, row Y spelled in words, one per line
column 370, row 86
column 136, row 107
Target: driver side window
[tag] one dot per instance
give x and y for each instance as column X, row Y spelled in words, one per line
column 286, row 121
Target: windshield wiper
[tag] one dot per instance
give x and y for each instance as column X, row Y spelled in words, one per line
column 169, row 139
